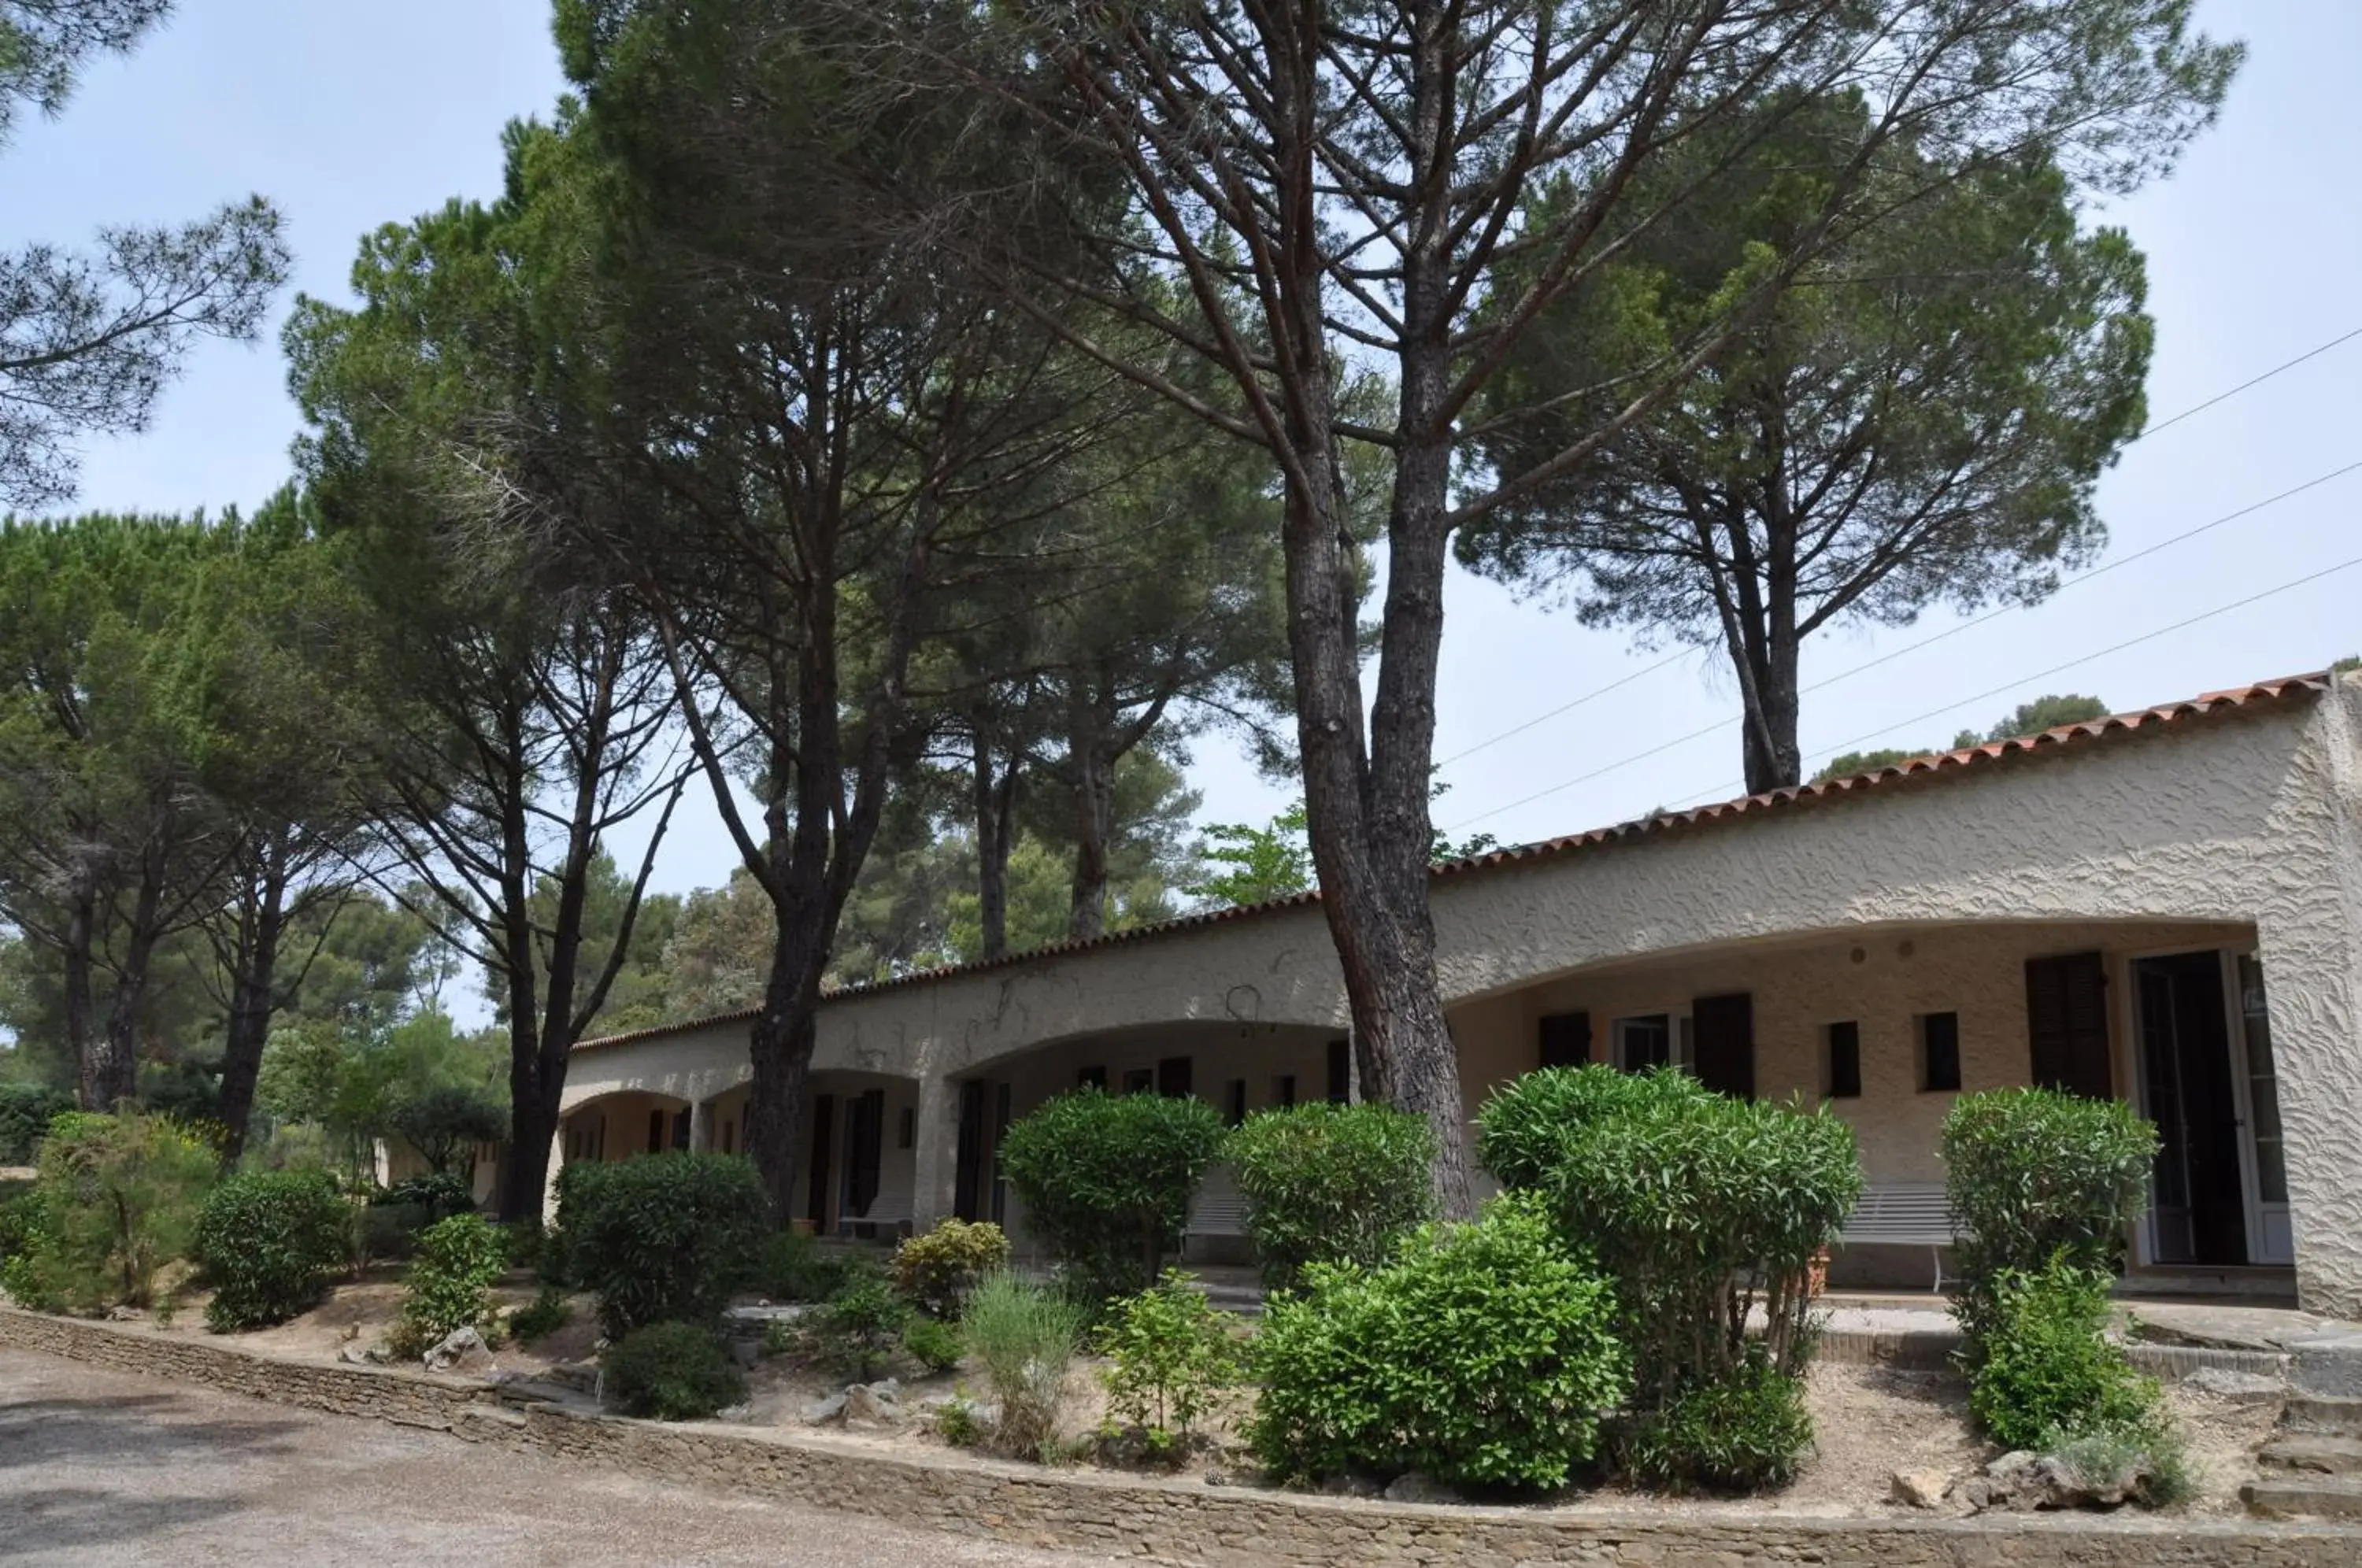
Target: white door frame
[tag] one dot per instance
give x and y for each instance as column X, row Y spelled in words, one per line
column 2235, row 1028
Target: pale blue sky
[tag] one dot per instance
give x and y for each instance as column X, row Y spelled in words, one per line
column 348, row 116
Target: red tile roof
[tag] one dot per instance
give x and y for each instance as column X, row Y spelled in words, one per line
column 2263, row 694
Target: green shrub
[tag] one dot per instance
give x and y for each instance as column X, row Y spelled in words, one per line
column 1701, row 1208
column 935, row 1272
column 120, row 1199
column 1331, row 1184
column 2037, row 1177
column 1107, row 1180
column 2149, row 1459
column 793, row 1266
column 449, row 1284
column 933, row 1343
column 1022, row 1339
column 1528, row 1124
column 1482, row 1355
column 546, row 1313
column 858, row 1327
column 662, row 1238
column 439, row 1194
column 25, row 1111
column 24, row 1230
column 269, row 1241
column 1743, row 1432
column 672, row 1371
column 2048, row 1369
column 1171, row 1352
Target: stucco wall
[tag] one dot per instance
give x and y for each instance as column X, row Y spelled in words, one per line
column 2253, row 820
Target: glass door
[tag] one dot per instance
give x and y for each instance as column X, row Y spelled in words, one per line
column 2271, row 1238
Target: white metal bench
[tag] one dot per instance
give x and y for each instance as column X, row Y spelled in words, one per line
column 1218, row 1208
column 1907, row 1214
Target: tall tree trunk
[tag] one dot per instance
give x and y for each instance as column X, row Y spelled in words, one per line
column 253, row 999
column 1092, row 777
column 81, row 1005
column 994, row 800
column 780, row 1045
column 114, row 1075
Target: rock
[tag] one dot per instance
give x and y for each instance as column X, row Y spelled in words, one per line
column 734, row 1413
column 374, row 1354
column 582, row 1376
column 124, row 1315
column 822, row 1412
column 2246, row 1387
column 462, row 1351
column 745, row 1353
column 2016, row 1458
column 888, row 1389
column 1415, row 1486
column 865, row 1406
column 1921, row 1488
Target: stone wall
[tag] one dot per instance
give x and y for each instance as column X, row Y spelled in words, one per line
column 1179, row 1520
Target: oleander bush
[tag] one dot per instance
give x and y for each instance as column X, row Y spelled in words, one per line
column 1484, row 1354
column 672, row 1372
column 1744, row 1432
column 1331, row 1184
column 793, row 1266
column 26, row 1112
column 2048, row 1371
column 1106, row 1181
column 270, row 1242
column 449, row 1284
column 663, row 1238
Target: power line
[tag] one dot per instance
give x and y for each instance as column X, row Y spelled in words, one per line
column 2147, row 431
column 1934, row 712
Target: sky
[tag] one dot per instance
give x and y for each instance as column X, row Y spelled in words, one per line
column 349, row 117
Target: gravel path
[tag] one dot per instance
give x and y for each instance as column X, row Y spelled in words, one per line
column 100, row 1467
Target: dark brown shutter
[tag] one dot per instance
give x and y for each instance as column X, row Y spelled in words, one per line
column 1175, row 1075
column 823, row 1129
column 1722, row 1036
column 2067, row 1023
column 967, row 1160
column 1565, row 1039
column 1340, row 1071
column 864, row 1138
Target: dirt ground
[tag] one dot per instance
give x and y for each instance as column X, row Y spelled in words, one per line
column 1871, row 1422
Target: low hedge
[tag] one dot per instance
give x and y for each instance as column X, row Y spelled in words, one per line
column 270, row 1242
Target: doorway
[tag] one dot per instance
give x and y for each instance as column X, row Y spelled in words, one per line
column 2191, row 1089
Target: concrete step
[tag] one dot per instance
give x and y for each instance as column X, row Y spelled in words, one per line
column 2319, row 1413
column 2313, row 1453
column 2321, row 1498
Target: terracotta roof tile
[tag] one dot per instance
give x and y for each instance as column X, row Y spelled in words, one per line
column 1931, row 767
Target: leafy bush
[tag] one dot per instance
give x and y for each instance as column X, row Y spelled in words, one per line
column 666, row 1237
column 935, row 1272
column 1173, row 1352
column 1740, row 1433
column 1484, row 1355
column 120, row 1197
column 459, row 1260
column 1022, row 1339
column 672, row 1371
column 269, row 1241
column 1107, row 1180
column 444, row 1121
column 546, row 1313
column 2048, row 1369
column 439, row 1194
column 25, row 1111
column 859, row 1326
column 793, row 1266
column 2037, row 1178
column 1700, row 1207
column 933, row 1343
column 1331, row 1184
column 24, row 1232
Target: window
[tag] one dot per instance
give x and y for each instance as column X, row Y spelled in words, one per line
column 906, row 1131
column 1238, row 1101
column 1174, row 1078
column 1644, row 1043
column 729, row 1137
column 1282, row 1089
column 1842, row 1077
column 1939, row 1052
column 1138, row 1080
column 1563, row 1039
column 1340, row 1071
column 655, row 1132
column 1091, row 1077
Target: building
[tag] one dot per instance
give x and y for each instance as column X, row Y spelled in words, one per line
column 2165, row 906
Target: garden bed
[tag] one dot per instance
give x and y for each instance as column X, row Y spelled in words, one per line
column 1871, row 1422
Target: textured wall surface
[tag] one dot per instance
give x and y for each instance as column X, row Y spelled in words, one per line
column 2251, row 822
column 1184, row 1520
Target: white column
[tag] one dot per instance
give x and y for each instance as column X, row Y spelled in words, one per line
column 934, row 1153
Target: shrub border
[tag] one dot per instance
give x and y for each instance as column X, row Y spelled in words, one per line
column 1181, row 1522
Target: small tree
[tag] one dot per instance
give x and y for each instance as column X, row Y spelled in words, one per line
column 669, row 1236
column 1107, row 1180
column 446, row 1121
column 1331, row 1184
column 121, row 1194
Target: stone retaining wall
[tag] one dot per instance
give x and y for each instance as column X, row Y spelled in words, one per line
column 1180, row 1521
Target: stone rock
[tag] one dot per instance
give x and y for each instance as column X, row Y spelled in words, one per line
column 582, row 1376
column 820, row 1412
column 2246, row 1387
column 2026, row 1482
column 124, row 1315
column 1921, row 1488
column 2009, row 1463
column 745, row 1353
column 374, row 1354
column 867, row 1405
column 1416, row 1486
column 740, row 1412
column 462, row 1351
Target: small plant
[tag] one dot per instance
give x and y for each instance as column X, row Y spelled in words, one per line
column 1173, row 1353
column 935, row 1272
column 1107, row 1180
column 667, row 1238
column 120, row 1197
column 2048, row 1369
column 1331, row 1184
column 1482, row 1355
column 793, row 1267
column 2147, row 1458
column 933, row 1343
column 1022, row 1339
column 956, row 1424
column 2035, row 1177
column 673, row 1372
column 269, row 1241
column 1744, row 1432
column 859, row 1326
column 449, row 1284
column 545, row 1315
